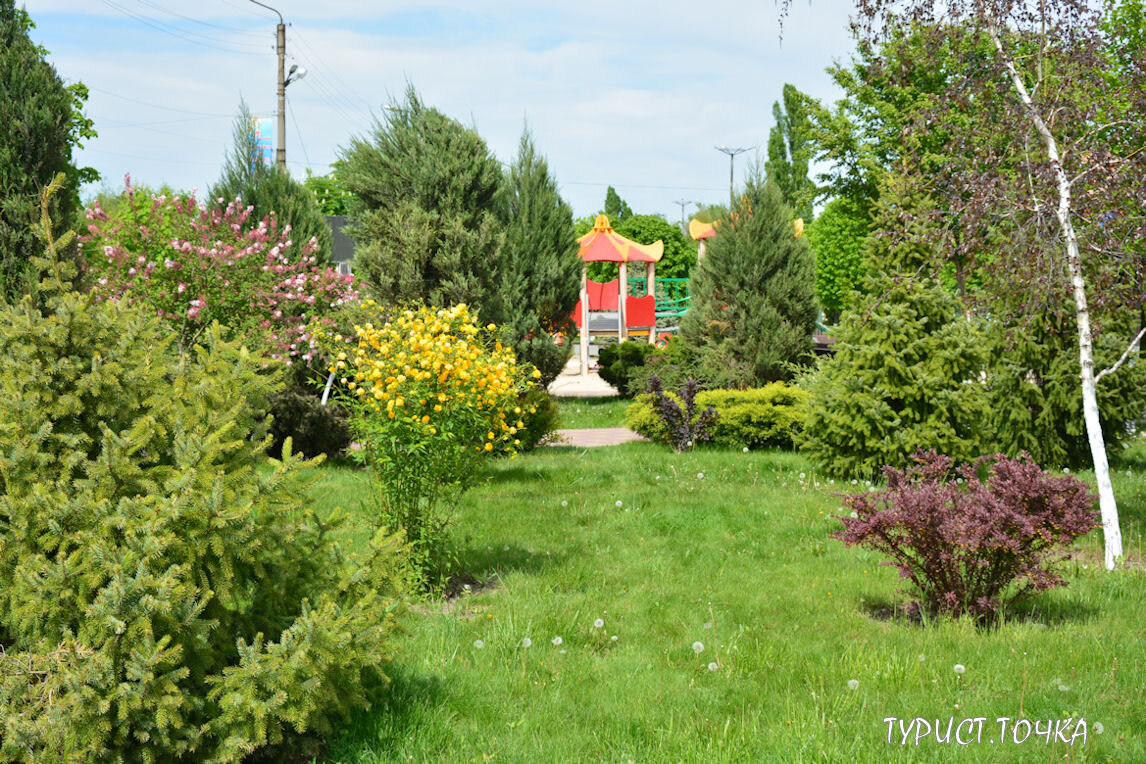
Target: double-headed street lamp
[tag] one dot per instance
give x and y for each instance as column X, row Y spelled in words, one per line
column 731, row 164
column 284, row 79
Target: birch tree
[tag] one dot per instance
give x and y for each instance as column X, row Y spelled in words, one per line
column 1052, row 154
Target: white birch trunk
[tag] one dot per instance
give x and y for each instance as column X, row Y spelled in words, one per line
column 1112, row 533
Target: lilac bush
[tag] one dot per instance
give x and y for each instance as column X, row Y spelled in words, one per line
column 684, row 426
column 195, row 264
column 973, row 537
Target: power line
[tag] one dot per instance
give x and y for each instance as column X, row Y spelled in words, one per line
column 297, row 132
column 179, row 34
column 156, row 105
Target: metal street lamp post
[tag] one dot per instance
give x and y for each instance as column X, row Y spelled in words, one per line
column 283, row 80
column 731, row 164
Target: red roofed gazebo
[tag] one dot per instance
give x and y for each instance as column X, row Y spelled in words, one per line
column 604, row 245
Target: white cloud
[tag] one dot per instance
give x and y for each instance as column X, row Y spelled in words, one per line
column 635, row 95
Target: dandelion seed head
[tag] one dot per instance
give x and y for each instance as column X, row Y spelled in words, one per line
column 478, row 644
column 712, row 666
column 698, row 647
column 598, row 623
column 558, row 640
column 853, row 684
column 527, row 642
column 1098, row 728
column 960, row 668
column 620, row 503
column 700, row 476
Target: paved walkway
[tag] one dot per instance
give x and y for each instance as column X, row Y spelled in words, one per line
column 598, row 436
column 570, row 383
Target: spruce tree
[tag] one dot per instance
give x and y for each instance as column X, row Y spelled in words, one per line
column 166, row 592
column 907, row 366
column 270, row 189
column 427, row 210
column 540, row 273
column 38, row 126
column 753, row 308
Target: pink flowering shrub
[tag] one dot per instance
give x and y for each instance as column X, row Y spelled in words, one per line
column 196, row 264
column 970, row 538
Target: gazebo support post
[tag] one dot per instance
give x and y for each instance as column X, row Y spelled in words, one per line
column 651, row 288
column 622, row 294
column 584, row 343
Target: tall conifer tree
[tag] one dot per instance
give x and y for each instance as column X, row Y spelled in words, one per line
column 428, row 209
column 753, row 306
column 540, row 271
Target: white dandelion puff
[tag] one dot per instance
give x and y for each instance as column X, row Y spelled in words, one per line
column 598, row 623
column 960, row 668
column 478, row 644
column 713, row 666
column 698, row 647
column 557, row 641
column 853, row 684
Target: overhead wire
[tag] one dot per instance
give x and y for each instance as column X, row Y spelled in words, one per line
column 157, row 105
column 298, row 133
column 207, row 42
column 348, row 93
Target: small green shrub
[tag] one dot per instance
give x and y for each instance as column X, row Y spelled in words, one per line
column 675, row 363
column 540, row 414
column 165, row 592
column 618, row 361
column 313, row 428
column 767, row 417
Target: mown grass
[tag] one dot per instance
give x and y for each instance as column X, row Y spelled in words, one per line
column 729, row 550
column 584, row 413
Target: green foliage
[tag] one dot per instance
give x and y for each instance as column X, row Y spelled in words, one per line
column 790, row 150
column 40, row 122
column 838, row 238
column 615, row 207
column 1036, row 402
column 270, row 189
column 906, row 370
column 674, row 363
column 766, row 417
column 540, row 415
column 427, row 210
column 299, row 414
column 330, row 192
column 680, row 254
column 753, row 306
column 539, row 275
column 616, row 363
column 166, row 594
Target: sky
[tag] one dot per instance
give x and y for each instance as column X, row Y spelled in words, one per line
column 636, row 95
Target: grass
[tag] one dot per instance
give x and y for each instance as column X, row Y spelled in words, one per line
column 583, row 413
column 729, row 550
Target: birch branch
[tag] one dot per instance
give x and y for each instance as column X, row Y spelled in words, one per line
column 1129, row 350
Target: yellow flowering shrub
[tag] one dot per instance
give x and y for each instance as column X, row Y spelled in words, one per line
column 431, row 393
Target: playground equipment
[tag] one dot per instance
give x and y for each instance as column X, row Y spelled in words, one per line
column 635, row 315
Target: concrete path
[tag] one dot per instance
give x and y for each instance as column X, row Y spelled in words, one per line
column 570, row 383
column 592, row 438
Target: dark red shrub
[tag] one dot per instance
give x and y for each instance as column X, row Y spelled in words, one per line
column 972, row 537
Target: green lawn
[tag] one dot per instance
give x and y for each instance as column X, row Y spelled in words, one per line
column 582, row 413
column 728, row 550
